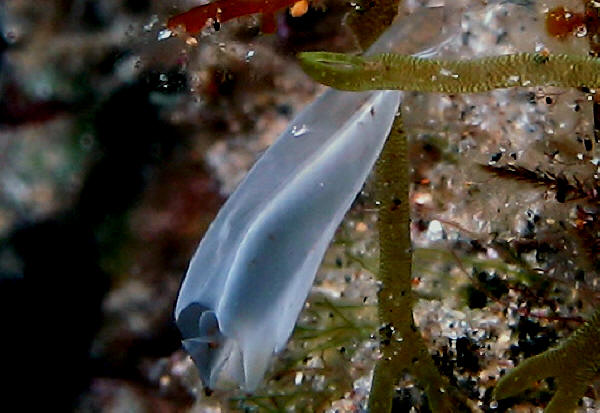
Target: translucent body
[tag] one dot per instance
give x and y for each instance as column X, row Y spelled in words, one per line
column 252, row 272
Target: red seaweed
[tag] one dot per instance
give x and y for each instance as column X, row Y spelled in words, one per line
column 194, row 20
column 560, row 22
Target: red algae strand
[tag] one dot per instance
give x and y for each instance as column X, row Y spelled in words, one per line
column 194, row 20
column 560, row 22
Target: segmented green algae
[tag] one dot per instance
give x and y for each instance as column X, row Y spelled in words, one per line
column 574, row 363
column 394, row 71
column 401, row 345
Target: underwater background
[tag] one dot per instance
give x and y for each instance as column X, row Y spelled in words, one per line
column 119, row 142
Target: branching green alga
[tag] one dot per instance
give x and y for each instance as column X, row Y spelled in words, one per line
column 401, row 345
column 574, row 363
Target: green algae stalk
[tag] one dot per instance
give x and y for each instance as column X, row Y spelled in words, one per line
column 574, row 363
column 402, row 347
column 394, row 295
column 394, row 71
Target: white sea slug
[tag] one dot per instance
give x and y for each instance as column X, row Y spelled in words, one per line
column 252, row 272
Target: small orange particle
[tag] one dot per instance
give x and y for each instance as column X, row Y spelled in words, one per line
column 361, row 227
column 191, row 41
column 299, row 8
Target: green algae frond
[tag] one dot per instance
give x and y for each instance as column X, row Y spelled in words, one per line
column 394, row 71
column 576, row 361
column 574, row 364
column 401, row 345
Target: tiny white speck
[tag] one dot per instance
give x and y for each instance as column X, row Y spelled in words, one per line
column 492, row 254
column 298, row 131
column 164, row 34
column 153, row 20
column 435, row 231
column 448, row 73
